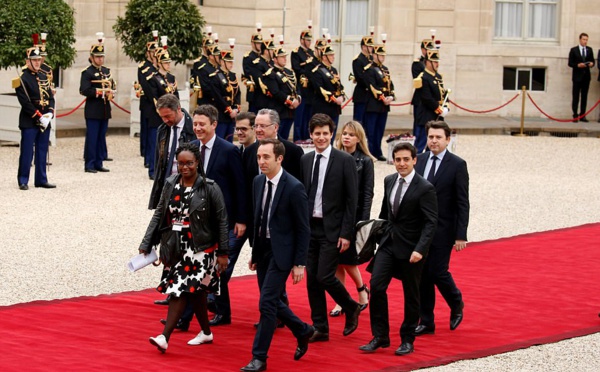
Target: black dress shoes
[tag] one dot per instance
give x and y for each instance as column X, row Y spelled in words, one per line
column 456, row 316
column 319, row 337
column 583, row 119
column 220, row 320
column 405, row 348
column 423, row 330
column 108, row 159
column 255, row 365
column 210, row 305
column 90, row 170
column 375, row 344
column 381, row 158
column 46, row 186
column 103, row 170
column 23, row 187
column 303, row 343
column 352, row 321
column 181, row 325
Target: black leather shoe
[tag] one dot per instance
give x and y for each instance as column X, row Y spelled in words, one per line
column 456, row 316
column 108, row 159
column 352, row 321
column 423, row 330
column 220, row 320
column 211, row 305
column 181, row 325
column 90, row 170
column 318, row 337
column 23, row 187
column 381, row 158
column 303, row 343
column 405, row 348
column 583, row 119
column 46, row 186
column 375, row 344
column 103, row 170
column 255, row 365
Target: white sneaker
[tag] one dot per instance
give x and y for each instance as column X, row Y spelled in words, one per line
column 160, row 342
column 201, row 339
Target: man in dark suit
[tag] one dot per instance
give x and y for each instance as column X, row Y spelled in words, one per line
column 330, row 178
column 410, row 205
column 281, row 240
column 222, row 162
column 448, row 174
column 581, row 59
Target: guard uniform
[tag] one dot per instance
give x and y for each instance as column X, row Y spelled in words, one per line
column 418, row 66
column 249, row 73
column 360, row 64
column 146, row 69
column 260, row 67
column 380, row 86
column 98, row 86
column 303, row 60
column 37, row 103
column 430, row 86
column 328, row 88
column 198, row 76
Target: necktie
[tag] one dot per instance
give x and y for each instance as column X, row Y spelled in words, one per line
column 396, row 204
column 583, row 52
column 432, row 169
column 202, row 155
column 312, row 192
column 265, row 213
column 174, row 141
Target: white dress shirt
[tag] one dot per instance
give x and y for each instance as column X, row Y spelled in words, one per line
column 407, row 180
column 274, row 181
column 430, row 162
column 318, row 210
column 209, row 145
column 179, row 126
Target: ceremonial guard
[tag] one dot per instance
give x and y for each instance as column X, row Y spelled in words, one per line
column 98, row 86
column 329, row 91
column 46, row 68
column 197, row 75
column 381, row 94
column 261, row 66
column 145, row 69
column 249, row 63
column 160, row 82
column 225, row 93
column 37, row 110
column 360, row 64
column 418, row 66
column 303, row 61
column 281, row 86
column 432, row 94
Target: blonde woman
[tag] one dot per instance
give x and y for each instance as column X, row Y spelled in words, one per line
column 353, row 140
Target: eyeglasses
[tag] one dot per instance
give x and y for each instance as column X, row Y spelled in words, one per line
column 188, row 164
column 241, row 129
column 262, row 126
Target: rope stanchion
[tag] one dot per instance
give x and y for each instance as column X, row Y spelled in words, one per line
column 346, row 103
column 400, row 104
column 129, row 112
column 562, row 120
column 484, row 111
column 72, row 111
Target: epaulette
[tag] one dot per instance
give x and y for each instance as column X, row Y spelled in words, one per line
column 85, row 69
column 16, row 82
column 296, row 50
column 316, row 68
column 246, row 54
column 368, row 66
column 418, row 81
column 256, row 60
column 417, row 60
column 141, row 64
column 198, row 59
column 145, row 70
column 269, row 71
column 358, row 55
column 151, row 75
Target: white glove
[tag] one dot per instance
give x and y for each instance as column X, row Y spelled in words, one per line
column 49, row 115
column 445, row 111
column 44, row 121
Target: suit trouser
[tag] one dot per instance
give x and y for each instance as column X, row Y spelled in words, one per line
column 222, row 301
column 436, row 274
column 95, row 142
column 271, row 281
column 302, row 116
column 30, row 138
column 143, row 135
column 323, row 257
column 359, row 112
column 385, row 267
column 375, row 127
column 580, row 87
column 151, row 150
column 225, row 130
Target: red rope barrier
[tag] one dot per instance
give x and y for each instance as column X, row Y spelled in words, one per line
column 484, row 111
column 400, row 104
column 561, row 120
column 72, row 111
column 120, row 107
column 346, row 103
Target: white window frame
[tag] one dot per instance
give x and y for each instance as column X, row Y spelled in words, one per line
column 526, row 10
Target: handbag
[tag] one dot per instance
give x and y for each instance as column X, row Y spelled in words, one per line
column 170, row 248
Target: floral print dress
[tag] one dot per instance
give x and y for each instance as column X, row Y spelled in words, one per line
column 195, row 271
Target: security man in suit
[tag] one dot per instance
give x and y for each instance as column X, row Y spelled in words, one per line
column 449, row 175
column 197, row 76
column 329, row 95
column 99, row 88
column 581, row 59
column 432, row 94
column 417, row 67
column 410, row 205
column 249, row 62
column 381, row 95
column 145, row 69
column 303, row 58
column 37, row 110
column 282, row 87
column 360, row 65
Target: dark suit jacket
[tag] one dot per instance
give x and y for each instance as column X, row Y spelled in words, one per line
column 225, row 168
column 340, row 193
column 288, row 226
column 575, row 57
column 451, row 184
column 414, row 226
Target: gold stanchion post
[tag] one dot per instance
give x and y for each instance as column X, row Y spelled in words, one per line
column 523, row 93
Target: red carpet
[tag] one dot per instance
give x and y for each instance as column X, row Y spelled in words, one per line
column 519, row 291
